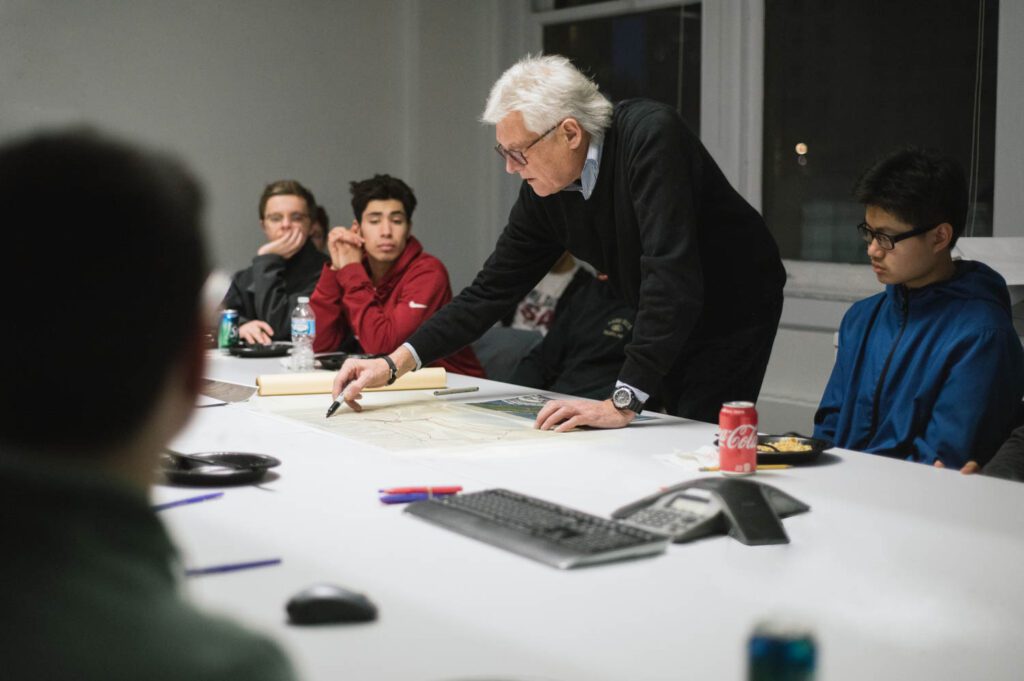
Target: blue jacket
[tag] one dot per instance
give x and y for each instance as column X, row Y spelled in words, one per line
column 926, row 374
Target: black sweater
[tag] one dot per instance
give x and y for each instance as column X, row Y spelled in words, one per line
column 675, row 239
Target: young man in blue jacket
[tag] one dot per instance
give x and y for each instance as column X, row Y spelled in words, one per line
column 931, row 369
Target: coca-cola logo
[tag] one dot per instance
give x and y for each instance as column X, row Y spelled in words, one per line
column 740, row 437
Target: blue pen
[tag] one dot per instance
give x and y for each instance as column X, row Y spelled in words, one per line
column 189, row 500
column 412, row 496
column 231, row 567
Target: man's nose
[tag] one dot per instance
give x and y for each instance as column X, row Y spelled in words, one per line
column 511, row 166
column 875, row 251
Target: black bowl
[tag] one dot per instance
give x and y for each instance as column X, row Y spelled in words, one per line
column 217, row 469
column 807, row 456
column 268, row 350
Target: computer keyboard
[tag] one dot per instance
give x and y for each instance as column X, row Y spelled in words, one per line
column 547, row 532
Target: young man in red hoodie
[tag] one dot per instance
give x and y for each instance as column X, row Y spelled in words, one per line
column 380, row 284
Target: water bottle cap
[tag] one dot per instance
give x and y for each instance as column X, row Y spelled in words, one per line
column 303, row 299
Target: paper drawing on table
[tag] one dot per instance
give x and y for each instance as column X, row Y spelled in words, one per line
column 525, row 406
column 398, row 421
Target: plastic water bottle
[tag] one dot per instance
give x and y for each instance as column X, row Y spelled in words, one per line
column 303, row 333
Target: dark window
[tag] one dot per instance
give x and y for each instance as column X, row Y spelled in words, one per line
column 856, row 79
column 652, row 54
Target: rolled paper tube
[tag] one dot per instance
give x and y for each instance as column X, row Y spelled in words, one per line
column 322, row 382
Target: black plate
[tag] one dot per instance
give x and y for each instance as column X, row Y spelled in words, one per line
column 224, row 468
column 332, row 361
column 816, row 448
column 268, row 350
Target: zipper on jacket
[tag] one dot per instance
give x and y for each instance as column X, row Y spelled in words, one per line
column 875, row 406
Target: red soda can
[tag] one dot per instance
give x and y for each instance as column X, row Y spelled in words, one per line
column 737, row 438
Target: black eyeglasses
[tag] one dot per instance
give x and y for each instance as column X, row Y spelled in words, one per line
column 519, row 155
column 886, row 241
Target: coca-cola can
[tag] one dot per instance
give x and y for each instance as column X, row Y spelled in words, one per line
column 737, row 438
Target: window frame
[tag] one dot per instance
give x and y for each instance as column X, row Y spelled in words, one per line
column 732, row 117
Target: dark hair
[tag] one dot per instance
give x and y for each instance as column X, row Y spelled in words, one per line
column 921, row 187
column 287, row 188
column 321, row 216
column 109, row 277
column 381, row 188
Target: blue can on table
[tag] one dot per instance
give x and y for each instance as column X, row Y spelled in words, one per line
column 780, row 651
column 227, row 333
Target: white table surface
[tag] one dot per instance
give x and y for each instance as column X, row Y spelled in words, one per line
column 902, row 571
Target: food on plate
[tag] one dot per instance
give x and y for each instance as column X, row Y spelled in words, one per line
column 785, row 444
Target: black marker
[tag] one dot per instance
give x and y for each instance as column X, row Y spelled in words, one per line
column 333, row 408
column 336, row 403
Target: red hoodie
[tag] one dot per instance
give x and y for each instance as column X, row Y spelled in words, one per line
column 382, row 318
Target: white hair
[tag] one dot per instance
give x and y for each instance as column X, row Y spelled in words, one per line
column 547, row 89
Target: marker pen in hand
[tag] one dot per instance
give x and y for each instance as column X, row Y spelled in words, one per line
column 336, row 403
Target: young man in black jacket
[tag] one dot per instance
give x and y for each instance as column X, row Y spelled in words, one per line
column 630, row 190
column 285, row 268
column 582, row 352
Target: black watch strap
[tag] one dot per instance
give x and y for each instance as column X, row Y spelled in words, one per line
column 634, row 404
column 392, row 367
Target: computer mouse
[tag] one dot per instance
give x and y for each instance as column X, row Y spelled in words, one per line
column 328, row 603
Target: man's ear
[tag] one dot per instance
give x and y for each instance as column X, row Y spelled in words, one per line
column 942, row 236
column 356, row 229
column 573, row 132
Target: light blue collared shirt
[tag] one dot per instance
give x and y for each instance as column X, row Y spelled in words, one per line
column 588, row 178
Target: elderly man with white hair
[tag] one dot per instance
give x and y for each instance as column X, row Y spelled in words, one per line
column 630, row 190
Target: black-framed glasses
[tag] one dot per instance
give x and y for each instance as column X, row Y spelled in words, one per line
column 519, row 155
column 886, row 241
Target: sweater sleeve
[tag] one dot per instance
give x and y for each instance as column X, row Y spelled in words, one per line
column 663, row 177
column 381, row 325
column 978, row 402
column 331, row 326
column 1008, row 463
column 525, row 252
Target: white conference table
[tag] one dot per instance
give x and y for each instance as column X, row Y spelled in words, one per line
column 902, row 571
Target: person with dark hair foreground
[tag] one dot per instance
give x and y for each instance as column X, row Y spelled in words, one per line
column 105, row 380
column 380, row 284
column 285, row 268
column 931, row 369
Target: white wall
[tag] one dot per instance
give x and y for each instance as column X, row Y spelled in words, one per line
column 248, row 91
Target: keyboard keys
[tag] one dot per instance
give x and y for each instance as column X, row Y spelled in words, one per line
column 538, row 529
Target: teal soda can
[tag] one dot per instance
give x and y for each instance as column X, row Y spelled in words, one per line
column 227, row 333
column 781, row 651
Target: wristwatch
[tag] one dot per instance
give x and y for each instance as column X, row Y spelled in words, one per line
column 623, row 397
column 391, row 367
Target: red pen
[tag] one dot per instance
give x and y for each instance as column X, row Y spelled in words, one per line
column 450, row 489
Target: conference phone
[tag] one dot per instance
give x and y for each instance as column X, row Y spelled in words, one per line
column 749, row 511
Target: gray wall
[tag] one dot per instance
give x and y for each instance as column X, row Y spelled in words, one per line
column 1009, row 191
column 248, row 91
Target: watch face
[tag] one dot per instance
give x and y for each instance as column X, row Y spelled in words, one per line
column 622, row 397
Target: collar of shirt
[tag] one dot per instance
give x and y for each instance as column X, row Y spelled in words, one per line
column 588, row 178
